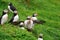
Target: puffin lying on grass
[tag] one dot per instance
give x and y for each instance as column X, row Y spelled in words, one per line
column 11, row 8
column 4, row 17
column 35, row 20
column 28, row 24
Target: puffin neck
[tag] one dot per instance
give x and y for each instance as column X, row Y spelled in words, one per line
column 10, row 4
column 40, row 37
column 15, row 14
column 33, row 15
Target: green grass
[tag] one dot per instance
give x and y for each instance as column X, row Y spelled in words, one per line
column 48, row 10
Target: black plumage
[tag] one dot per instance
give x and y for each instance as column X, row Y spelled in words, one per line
column 39, row 21
column 12, row 7
column 40, row 37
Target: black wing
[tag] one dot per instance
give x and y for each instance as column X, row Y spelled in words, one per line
column 12, row 8
column 39, row 21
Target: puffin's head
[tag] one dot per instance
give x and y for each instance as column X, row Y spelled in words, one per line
column 15, row 12
column 10, row 4
column 29, row 18
column 35, row 14
column 41, row 35
column 5, row 11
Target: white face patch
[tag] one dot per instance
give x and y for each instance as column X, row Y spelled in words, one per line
column 6, row 10
column 35, row 14
column 15, row 11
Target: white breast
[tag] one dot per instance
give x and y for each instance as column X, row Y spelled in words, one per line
column 16, row 18
column 10, row 9
column 30, row 25
column 34, row 18
column 40, row 39
column 4, row 18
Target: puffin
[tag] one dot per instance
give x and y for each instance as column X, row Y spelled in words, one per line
column 15, row 18
column 11, row 7
column 40, row 37
column 4, row 17
column 35, row 20
column 28, row 24
column 21, row 24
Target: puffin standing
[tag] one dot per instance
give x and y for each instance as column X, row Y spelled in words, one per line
column 29, row 24
column 40, row 37
column 4, row 17
column 11, row 7
column 35, row 20
column 15, row 19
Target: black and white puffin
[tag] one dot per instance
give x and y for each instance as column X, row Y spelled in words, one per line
column 15, row 18
column 28, row 23
column 40, row 37
column 4, row 17
column 11, row 7
column 21, row 24
column 35, row 20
